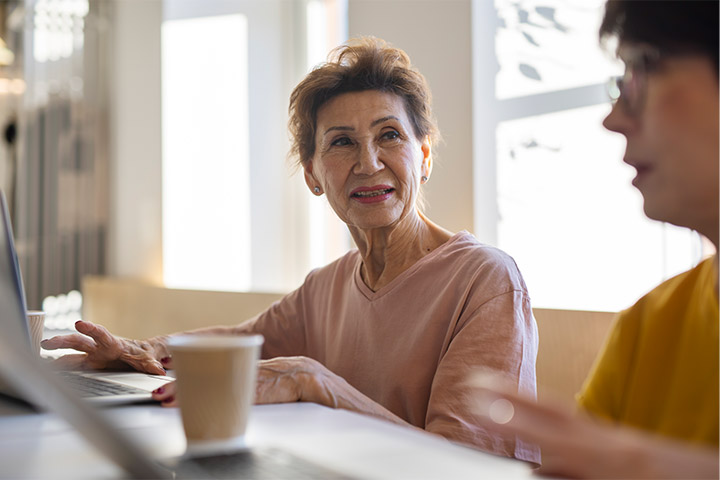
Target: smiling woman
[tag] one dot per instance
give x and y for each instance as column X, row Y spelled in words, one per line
column 392, row 328
column 370, row 164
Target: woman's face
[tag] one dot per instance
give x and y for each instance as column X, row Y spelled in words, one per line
column 672, row 138
column 367, row 159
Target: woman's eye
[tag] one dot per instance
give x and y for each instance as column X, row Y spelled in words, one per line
column 340, row 142
column 390, row 135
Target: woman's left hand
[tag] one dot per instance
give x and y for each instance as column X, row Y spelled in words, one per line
column 280, row 380
column 299, row 379
column 296, row 379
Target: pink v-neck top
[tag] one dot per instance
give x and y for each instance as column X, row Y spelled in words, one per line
column 411, row 345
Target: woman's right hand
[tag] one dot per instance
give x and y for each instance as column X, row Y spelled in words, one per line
column 103, row 350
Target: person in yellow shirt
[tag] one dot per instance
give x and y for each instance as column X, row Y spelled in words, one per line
column 649, row 407
column 659, row 368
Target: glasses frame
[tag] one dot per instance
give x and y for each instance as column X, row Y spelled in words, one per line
column 630, row 89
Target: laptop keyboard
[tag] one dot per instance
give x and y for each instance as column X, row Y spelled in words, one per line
column 95, row 387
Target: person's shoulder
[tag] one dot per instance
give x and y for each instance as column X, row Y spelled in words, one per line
column 465, row 244
column 681, row 283
column 485, row 261
column 673, row 295
column 343, row 266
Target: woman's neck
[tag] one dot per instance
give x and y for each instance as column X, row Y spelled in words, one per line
column 389, row 251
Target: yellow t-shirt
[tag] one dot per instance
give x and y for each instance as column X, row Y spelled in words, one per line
column 659, row 368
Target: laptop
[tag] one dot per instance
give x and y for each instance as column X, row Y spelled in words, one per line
column 31, row 379
column 107, row 388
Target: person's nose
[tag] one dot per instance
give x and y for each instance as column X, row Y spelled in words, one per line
column 368, row 161
column 618, row 120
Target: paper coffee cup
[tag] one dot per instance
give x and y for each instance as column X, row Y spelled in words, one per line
column 36, row 324
column 215, row 388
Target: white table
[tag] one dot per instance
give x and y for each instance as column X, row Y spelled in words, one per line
column 36, row 445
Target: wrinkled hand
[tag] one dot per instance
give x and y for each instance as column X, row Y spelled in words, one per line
column 577, row 446
column 292, row 379
column 103, row 350
column 279, row 380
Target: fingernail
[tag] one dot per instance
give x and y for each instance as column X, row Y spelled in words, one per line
column 159, row 390
column 168, row 400
column 165, row 360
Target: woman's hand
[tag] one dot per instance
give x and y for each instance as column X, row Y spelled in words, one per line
column 290, row 379
column 578, row 446
column 299, row 379
column 279, row 380
column 166, row 395
column 103, row 350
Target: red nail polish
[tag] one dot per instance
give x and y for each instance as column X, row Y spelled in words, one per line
column 169, row 400
column 165, row 360
column 159, row 390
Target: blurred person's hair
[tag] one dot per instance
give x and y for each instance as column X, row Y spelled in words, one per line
column 671, row 26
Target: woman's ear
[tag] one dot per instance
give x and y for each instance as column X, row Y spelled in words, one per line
column 427, row 157
column 310, row 180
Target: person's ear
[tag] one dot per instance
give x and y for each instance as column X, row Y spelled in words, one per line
column 310, row 180
column 426, row 167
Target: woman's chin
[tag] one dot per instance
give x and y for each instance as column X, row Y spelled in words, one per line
column 366, row 224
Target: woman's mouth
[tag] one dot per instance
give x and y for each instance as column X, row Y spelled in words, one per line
column 373, row 194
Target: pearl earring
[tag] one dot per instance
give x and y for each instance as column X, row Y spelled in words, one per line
column 316, row 190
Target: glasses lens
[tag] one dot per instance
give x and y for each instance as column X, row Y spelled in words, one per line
column 626, row 90
column 614, row 88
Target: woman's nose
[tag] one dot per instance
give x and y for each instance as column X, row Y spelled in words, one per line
column 368, row 161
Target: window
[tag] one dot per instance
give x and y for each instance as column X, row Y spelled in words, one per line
column 551, row 187
column 329, row 236
column 234, row 215
column 206, row 207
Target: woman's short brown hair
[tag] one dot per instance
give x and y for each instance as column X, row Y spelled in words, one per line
column 365, row 63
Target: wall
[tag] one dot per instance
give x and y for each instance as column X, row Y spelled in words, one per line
column 569, row 343
column 135, row 229
column 136, row 309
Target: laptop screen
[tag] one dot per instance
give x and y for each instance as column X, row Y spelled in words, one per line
column 12, row 294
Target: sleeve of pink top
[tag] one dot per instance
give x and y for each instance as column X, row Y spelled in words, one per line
column 501, row 335
column 281, row 325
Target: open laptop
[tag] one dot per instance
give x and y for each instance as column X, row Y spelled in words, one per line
column 107, row 388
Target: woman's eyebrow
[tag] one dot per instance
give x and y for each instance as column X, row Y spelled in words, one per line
column 340, row 127
column 374, row 122
column 380, row 120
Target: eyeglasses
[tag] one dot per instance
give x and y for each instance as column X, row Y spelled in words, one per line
column 630, row 89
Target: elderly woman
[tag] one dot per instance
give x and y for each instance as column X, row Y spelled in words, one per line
column 392, row 328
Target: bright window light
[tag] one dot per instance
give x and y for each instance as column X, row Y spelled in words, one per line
column 572, row 220
column 567, row 211
column 206, row 205
column 329, row 237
